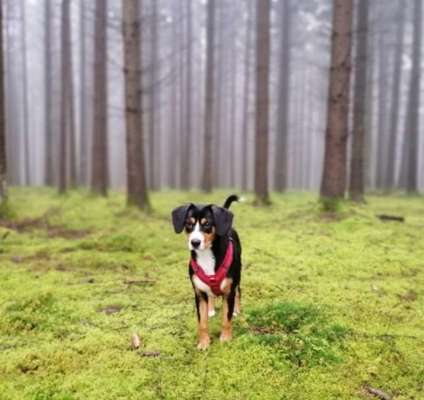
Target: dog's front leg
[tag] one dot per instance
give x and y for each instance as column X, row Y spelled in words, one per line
column 227, row 314
column 211, row 306
column 202, row 320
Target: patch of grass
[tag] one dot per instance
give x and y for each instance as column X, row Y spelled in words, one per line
column 332, row 301
column 299, row 332
column 35, row 313
column 6, row 210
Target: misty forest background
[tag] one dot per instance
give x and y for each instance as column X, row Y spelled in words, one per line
column 213, row 94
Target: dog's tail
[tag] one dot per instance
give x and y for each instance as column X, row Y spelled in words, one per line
column 230, row 200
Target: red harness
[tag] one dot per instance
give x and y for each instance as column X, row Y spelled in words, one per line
column 214, row 281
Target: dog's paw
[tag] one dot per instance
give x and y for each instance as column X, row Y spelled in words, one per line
column 203, row 343
column 225, row 336
column 235, row 314
column 211, row 313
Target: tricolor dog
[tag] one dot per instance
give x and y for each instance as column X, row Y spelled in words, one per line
column 215, row 262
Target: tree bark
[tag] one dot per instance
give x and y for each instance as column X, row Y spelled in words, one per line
column 48, row 93
column 182, row 100
column 262, row 100
column 382, row 107
column 209, row 98
column 246, row 96
column 83, row 98
column 396, row 97
column 411, row 151
column 71, row 115
column 136, row 174
column 65, row 97
column 25, row 116
column 333, row 183
column 281, row 162
column 233, row 104
column 187, row 133
column 173, row 153
column 153, row 96
column 100, row 173
column 356, row 188
column 3, row 162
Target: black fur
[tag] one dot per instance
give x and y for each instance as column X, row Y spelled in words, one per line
column 179, row 216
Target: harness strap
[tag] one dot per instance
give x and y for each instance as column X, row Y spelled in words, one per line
column 214, row 281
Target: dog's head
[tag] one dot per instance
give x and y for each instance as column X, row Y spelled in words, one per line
column 202, row 224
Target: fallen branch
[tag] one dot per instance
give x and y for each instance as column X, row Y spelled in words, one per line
column 385, row 217
column 378, row 393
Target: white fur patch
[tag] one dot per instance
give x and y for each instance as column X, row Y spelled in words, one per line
column 206, row 260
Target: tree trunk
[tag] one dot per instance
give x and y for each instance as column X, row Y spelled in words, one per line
column 281, row 164
column 186, row 167
column 356, row 188
column 209, row 97
column 411, row 153
column 382, row 108
column 246, row 96
column 48, row 93
column 83, row 98
column 100, row 173
column 71, row 116
column 3, row 164
column 153, row 95
column 333, row 183
column 219, row 108
column 182, row 101
column 65, row 97
column 25, row 116
column 136, row 173
column 233, row 104
column 173, row 153
column 262, row 100
column 396, row 97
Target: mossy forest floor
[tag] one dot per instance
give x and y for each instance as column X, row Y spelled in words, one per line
column 333, row 304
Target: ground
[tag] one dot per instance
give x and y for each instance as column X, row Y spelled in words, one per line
column 333, row 304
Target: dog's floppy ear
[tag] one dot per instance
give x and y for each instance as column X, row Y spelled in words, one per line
column 223, row 220
column 179, row 215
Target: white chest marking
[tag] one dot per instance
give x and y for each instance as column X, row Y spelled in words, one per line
column 206, row 260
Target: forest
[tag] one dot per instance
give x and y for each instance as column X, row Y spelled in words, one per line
column 115, row 112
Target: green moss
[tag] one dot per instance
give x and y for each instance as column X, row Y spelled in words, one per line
column 299, row 332
column 331, row 301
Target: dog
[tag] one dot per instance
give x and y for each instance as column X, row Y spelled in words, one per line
column 215, row 262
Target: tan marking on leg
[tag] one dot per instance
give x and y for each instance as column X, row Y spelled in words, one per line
column 227, row 332
column 211, row 306
column 204, row 339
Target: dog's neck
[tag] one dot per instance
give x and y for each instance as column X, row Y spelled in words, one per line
column 210, row 259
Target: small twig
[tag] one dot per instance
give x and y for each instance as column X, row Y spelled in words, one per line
column 150, row 354
column 378, row 393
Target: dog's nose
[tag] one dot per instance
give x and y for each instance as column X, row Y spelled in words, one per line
column 195, row 243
